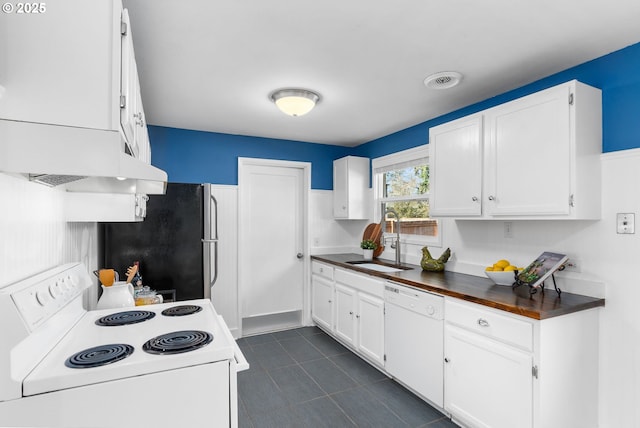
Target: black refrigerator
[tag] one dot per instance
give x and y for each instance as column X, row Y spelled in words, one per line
column 175, row 245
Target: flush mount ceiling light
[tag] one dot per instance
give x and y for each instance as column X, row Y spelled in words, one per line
column 295, row 102
column 443, row 80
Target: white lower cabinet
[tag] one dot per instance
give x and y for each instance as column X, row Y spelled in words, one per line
column 346, row 313
column 360, row 322
column 359, row 314
column 508, row 371
column 501, row 370
column 351, row 308
column 322, row 302
column 370, row 327
column 322, row 295
column 488, row 384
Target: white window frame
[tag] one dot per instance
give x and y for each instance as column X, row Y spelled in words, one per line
column 397, row 159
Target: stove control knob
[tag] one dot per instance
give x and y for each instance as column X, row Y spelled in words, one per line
column 71, row 283
column 72, row 280
column 55, row 289
column 43, row 297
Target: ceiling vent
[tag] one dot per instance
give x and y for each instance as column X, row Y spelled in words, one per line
column 443, row 80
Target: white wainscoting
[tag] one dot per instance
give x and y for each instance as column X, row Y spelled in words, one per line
column 34, row 236
column 224, row 293
column 328, row 235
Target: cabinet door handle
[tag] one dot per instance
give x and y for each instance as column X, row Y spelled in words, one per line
column 474, row 198
column 358, row 316
column 483, row 322
column 350, row 312
column 492, row 198
column 329, row 301
column 446, row 360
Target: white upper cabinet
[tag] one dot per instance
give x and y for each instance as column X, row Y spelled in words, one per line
column 73, row 65
column 350, row 188
column 111, row 207
column 535, row 157
column 129, row 86
column 132, row 116
column 62, row 67
column 528, row 155
column 456, row 189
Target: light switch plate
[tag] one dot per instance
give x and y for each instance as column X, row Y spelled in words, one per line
column 626, row 223
column 508, row 229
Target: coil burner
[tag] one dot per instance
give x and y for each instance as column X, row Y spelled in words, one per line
column 99, row 356
column 178, row 311
column 178, row 342
column 125, row 318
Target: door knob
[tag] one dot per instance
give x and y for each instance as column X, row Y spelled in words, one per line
column 299, row 255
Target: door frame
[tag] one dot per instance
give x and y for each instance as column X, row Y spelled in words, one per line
column 245, row 241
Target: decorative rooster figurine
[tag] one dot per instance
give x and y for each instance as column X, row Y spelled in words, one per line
column 430, row 264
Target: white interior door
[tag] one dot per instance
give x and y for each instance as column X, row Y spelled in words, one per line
column 272, row 242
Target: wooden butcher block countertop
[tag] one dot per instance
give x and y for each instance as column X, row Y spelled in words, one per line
column 476, row 289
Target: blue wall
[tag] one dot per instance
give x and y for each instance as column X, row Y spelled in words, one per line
column 205, row 157
column 208, row 157
column 616, row 74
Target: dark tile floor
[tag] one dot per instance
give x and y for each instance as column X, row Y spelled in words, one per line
column 304, row 378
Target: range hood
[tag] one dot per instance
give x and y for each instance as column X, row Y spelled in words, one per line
column 76, row 159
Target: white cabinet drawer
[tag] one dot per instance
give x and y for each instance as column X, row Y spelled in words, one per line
column 361, row 282
column 322, row 270
column 489, row 323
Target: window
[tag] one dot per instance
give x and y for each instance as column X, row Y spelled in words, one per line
column 401, row 185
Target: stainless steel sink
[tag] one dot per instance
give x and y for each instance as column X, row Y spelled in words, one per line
column 378, row 267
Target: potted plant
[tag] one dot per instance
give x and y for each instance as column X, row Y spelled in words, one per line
column 368, row 246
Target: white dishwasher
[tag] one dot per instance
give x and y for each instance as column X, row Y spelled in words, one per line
column 414, row 340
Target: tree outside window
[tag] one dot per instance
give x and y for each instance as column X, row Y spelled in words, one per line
column 406, row 191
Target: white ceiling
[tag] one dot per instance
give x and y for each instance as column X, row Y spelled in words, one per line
column 211, row 65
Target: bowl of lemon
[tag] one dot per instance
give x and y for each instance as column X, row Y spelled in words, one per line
column 502, row 272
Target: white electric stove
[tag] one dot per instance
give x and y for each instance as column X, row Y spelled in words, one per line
column 172, row 364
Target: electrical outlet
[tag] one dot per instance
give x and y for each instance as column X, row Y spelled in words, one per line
column 626, row 223
column 508, row 229
column 573, row 265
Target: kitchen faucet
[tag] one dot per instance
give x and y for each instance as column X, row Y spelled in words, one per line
column 397, row 243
